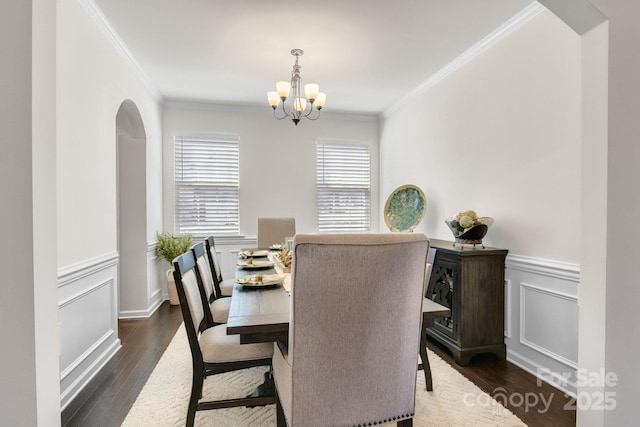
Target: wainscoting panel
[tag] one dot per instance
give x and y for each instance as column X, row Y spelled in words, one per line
column 507, row 308
column 87, row 312
column 227, row 249
column 153, row 283
column 541, row 319
column 156, row 279
column 542, row 311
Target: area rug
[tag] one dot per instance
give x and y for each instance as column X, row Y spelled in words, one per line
column 454, row 401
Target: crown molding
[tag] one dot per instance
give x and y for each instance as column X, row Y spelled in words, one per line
column 185, row 104
column 112, row 36
column 521, row 18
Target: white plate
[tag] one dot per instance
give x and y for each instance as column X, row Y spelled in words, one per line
column 261, row 280
column 253, row 264
column 253, row 254
column 276, row 247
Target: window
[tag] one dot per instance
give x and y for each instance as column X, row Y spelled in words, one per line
column 343, row 187
column 207, row 181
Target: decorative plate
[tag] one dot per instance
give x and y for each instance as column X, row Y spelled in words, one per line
column 405, row 208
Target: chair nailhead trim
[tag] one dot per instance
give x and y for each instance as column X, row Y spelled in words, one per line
column 386, row 420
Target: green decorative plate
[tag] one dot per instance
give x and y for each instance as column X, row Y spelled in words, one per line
column 405, row 208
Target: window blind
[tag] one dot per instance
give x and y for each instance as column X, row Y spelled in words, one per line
column 207, row 181
column 343, row 187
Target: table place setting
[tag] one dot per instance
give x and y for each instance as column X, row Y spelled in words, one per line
column 261, row 280
column 250, row 263
column 251, row 253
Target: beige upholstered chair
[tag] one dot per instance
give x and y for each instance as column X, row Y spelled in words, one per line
column 219, row 307
column 272, row 231
column 356, row 310
column 212, row 350
column 222, row 287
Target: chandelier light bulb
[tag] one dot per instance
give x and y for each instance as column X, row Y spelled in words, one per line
column 283, row 89
column 300, row 104
column 311, row 91
column 273, row 98
column 320, row 100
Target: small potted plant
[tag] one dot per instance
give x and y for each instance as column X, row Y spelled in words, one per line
column 169, row 247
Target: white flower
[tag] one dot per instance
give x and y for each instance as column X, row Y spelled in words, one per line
column 466, row 221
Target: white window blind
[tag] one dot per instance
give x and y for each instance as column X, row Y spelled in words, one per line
column 207, row 181
column 343, row 187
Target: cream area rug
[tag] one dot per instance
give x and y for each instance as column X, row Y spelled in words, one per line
column 454, row 401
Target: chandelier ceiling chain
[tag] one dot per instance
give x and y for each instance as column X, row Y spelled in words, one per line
column 307, row 105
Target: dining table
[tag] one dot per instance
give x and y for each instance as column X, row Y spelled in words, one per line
column 261, row 313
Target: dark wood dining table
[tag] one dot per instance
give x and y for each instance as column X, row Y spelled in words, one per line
column 258, row 314
column 262, row 315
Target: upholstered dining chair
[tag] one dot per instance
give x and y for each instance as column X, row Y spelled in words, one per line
column 272, row 231
column 223, row 287
column 218, row 306
column 354, row 334
column 212, row 350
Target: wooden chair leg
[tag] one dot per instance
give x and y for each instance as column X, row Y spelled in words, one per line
column 423, row 355
column 196, row 395
column 405, row 423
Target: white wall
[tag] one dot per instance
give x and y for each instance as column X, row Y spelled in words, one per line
column 94, row 78
column 28, row 362
column 610, row 149
column 502, row 135
column 132, row 223
column 15, row 166
column 277, row 159
column 593, row 279
column 623, row 206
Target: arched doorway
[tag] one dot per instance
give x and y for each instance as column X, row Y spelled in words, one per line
column 132, row 211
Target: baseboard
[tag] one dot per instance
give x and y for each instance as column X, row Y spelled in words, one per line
column 535, row 369
column 139, row 314
column 70, row 393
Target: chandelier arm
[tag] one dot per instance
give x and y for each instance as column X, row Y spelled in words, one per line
column 308, row 116
column 311, row 110
column 291, row 111
column 276, row 115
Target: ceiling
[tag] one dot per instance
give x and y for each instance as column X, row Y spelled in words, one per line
column 365, row 54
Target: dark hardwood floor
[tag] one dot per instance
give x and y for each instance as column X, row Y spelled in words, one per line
column 109, row 396
column 533, row 401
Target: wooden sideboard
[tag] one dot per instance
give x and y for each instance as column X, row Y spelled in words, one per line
column 470, row 281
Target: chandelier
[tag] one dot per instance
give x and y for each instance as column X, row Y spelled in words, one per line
column 299, row 105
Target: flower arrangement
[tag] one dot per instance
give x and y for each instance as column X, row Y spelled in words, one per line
column 468, row 227
column 284, row 256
